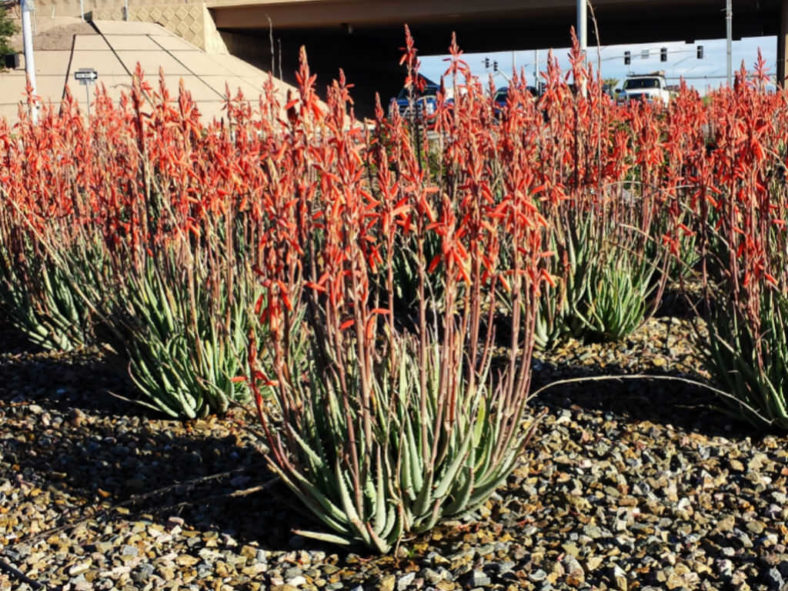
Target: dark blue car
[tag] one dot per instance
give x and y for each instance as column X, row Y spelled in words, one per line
column 423, row 104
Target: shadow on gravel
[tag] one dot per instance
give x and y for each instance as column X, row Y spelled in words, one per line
column 676, row 402
column 64, row 432
column 83, row 380
column 125, row 469
column 678, row 303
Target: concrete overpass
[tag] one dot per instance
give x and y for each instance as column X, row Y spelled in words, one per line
column 364, row 36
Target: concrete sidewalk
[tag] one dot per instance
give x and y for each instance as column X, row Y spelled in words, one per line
column 113, row 48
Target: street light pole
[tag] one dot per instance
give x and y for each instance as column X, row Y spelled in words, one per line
column 536, row 69
column 729, row 33
column 582, row 24
column 582, row 34
column 30, row 63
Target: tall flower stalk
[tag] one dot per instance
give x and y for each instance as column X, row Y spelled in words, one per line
column 382, row 428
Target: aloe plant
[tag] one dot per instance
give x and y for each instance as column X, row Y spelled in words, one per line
column 618, row 296
column 36, row 295
column 752, row 366
column 384, row 427
column 182, row 357
column 185, row 339
column 417, row 470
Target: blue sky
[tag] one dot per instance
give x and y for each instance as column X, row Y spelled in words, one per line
column 682, row 60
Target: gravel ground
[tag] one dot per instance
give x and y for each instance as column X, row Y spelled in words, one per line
column 631, row 485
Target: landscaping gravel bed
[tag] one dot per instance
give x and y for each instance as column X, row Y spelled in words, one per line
column 628, row 485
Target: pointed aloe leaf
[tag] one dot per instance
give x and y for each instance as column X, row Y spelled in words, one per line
column 447, row 478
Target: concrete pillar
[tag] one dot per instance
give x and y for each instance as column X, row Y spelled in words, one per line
column 782, row 40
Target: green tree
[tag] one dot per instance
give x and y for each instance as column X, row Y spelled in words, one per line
column 7, row 28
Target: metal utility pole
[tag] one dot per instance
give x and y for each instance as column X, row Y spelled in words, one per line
column 582, row 24
column 582, row 34
column 729, row 33
column 536, row 69
column 30, row 62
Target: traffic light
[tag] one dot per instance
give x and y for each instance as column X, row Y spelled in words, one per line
column 627, row 58
column 487, row 63
column 495, row 66
column 700, row 52
column 663, row 54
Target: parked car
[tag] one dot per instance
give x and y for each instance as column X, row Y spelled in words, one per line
column 422, row 105
column 502, row 95
column 645, row 87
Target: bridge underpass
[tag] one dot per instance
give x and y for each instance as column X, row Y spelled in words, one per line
column 364, row 36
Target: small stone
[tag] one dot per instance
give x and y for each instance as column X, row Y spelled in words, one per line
column 538, row 576
column 575, row 576
column 504, row 567
column 736, row 466
column 387, row 583
column 221, row 569
column 405, row 580
column 620, row 578
column 248, row 551
column 208, row 555
column 593, row 562
column 142, row 573
column 674, row 581
column 431, row 576
column 744, row 540
column 129, row 551
column 594, row 532
column 76, row 417
column 755, row 527
column 436, row 559
column 79, row 568
column 254, row 570
column 726, row 524
column 187, row 560
column 478, row 578
column 724, row 567
column 775, row 579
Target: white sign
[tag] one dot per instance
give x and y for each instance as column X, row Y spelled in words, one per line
column 86, row 75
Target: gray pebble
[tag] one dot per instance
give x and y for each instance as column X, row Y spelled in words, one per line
column 405, row 580
column 129, row 551
column 774, row 579
column 142, row 573
column 537, row 576
column 478, row 578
